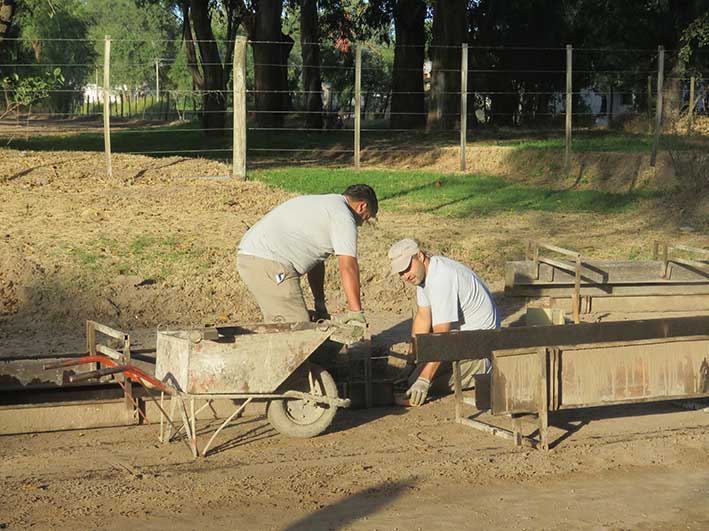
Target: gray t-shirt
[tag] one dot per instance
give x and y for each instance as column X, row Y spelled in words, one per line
column 303, row 231
column 456, row 294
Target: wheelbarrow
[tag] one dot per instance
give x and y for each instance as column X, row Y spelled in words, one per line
column 246, row 363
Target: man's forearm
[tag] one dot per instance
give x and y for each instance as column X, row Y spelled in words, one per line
column 349, row 271
column 316, row 279
column 429, row 371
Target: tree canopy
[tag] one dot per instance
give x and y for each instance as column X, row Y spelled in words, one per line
column 299, row 46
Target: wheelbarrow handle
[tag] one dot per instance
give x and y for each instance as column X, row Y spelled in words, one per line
column 98, row 373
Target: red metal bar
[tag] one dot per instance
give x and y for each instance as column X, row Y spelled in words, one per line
column 97, row 374
column 81, row 361
column 131, row 372
column 134, row 373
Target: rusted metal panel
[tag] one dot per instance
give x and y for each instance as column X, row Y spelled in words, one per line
column 602, row 374
column 635, row 372
column 477, row 344
column 246, row 363
column 689, row 302
column 515, row 381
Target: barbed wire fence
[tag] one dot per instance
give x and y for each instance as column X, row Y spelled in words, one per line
column 361, row 116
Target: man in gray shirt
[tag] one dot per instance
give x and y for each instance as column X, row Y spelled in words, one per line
column 294, row 239
column 449, row 295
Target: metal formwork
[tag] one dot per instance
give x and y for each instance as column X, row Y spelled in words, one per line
column 536, row 370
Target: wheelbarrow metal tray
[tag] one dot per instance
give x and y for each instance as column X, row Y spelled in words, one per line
column 256, row 360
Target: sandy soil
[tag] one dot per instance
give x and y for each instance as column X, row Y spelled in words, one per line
column 375, row 469
column 154, row 245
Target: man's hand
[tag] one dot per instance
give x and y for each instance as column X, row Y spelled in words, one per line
column 418, row 392
column 320, row 311
column 351, row 317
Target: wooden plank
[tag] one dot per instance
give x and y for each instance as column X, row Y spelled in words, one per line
column 557, row 264
column 108, row 351
column 479, row 344
column 560, row 250
column 498, row 432
column 111, row 332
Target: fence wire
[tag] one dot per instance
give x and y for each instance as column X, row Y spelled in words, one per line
column 156, row 107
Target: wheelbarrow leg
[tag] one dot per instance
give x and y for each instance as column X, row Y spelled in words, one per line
column 223, row 425
column 173, row 405
column 188, row 428
column 162, row 417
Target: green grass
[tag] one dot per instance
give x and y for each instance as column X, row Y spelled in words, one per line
column 450, row 195
column 149, row 256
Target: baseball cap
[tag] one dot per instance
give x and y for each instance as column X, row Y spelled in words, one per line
column 401, row 253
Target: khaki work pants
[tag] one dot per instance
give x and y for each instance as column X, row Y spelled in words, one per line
column 275, row 287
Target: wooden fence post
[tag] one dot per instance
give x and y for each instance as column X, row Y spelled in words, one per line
column 463, row 103
column 658, row 107
column 107, row 104
column 358, row 99
column 690, row 113
column 238, row 169
column 569, row 105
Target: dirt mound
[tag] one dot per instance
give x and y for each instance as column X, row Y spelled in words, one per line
column 153, row 245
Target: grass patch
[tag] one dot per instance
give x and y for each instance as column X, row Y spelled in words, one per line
column 151, row 257
column 450, row 195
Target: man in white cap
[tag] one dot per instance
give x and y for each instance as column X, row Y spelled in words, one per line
column 449, row 296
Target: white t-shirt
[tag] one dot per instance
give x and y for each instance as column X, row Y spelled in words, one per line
column 303, row 231
column 456, row 294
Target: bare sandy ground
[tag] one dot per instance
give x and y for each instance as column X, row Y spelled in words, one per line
column 640, row 468
column 155, row 246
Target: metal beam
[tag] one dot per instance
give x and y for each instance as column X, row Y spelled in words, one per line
column 478, row 344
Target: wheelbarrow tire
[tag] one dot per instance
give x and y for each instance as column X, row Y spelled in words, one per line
column 295, row 418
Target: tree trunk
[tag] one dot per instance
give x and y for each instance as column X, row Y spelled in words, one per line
column 270, row 63
column 310, row 44
column 407, row 83
column 7, row 11
column 672, row 93
column 449, row 32
column 211, row 80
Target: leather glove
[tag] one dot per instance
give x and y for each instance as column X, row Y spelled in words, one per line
column 418, row 392
column 352, row 317
column 320, row 311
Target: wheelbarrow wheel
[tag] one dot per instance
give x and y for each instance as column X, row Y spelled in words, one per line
column 304, row 418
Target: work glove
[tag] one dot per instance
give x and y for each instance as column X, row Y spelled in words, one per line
column 418, row 392
column 320, row 311
column 352, row 318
